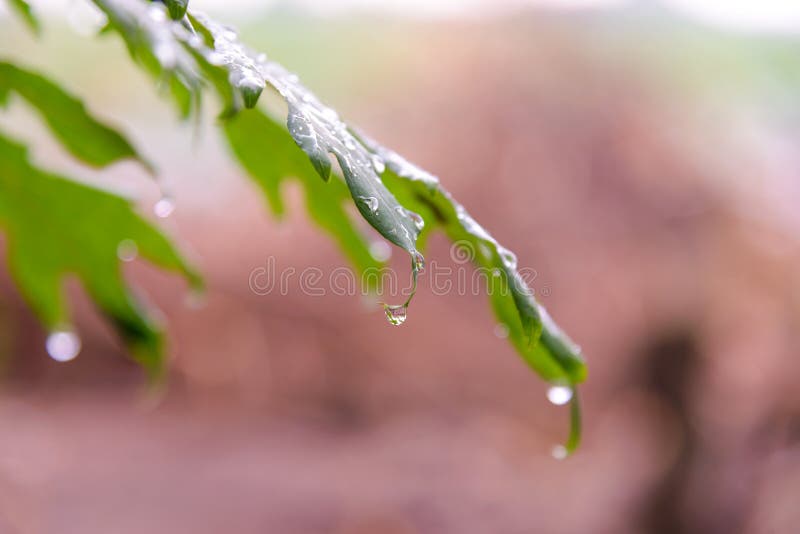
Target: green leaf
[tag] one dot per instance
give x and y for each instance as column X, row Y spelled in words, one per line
column 319, row 131
column 535, row 335
column 89, row 140
column 55, row 227
column 177, row 8
column 24, row 10
column 532, row 332
column 152, row 41
column 248, row 134
column 368, row 169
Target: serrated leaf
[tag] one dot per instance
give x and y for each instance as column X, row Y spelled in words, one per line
column 535, row 335
column 86, row 138
column 248, row 134
column 56, row 227
column 25, row 12
column 532, row 332
column 319, row 131
column 150, row 36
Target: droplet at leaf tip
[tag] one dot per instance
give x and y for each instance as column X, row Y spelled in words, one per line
column 396, row 314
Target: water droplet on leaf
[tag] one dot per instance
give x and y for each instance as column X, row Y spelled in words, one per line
column 127, row 250
column 559, row 395
column 378, row 164
column 508, row 258
column 419, row 222
column 63, row 345
column 371, row 203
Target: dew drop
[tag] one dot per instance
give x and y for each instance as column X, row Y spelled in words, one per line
column 559, row 395
column 378, row 164
column 63, row 345
column 419, row 261
column 508, row 258
column 350, row 144
column 501, row 330
column 251, row 87
column 380, row 250
column 396, row 314
column 127, row 250
column 559, row 452
column 419, row 222
column 164, row 207
column 261, row 58
column 371, row 203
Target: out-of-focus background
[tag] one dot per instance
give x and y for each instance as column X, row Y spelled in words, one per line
column 643, row 157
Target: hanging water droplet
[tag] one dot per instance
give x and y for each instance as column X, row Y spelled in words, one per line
column 559, row 395
column 251, row 85
column 496, row 273
column 419, row 261
column 371, row 203
column 396, row 314
column 127, row 250
column 559, row 452
column 164, row 207
column 380, row 250
column 378, row 164
column 501, row 330
column 63, row 345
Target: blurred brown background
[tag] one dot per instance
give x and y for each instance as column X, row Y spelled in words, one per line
column 645, row 165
